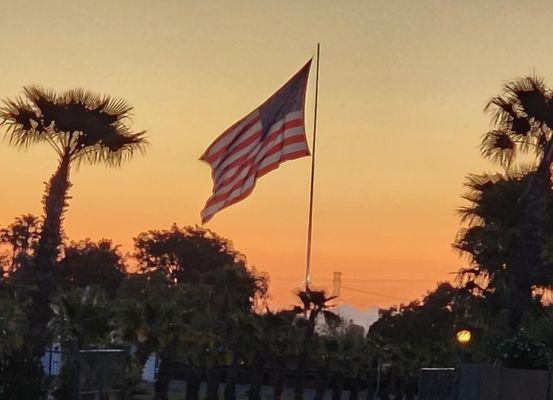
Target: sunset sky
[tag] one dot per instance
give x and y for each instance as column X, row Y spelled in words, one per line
column 402, row 89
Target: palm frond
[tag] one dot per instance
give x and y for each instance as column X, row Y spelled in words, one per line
column 502, row 110
column 491, row 195
column 498, row 146
column 22, row 122
column 522, row 116
column 92, row 128
column 120, row 149
column 522, row 169
column 533, row 97
column 476, row 184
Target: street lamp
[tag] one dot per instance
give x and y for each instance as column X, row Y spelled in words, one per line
column 463, row 337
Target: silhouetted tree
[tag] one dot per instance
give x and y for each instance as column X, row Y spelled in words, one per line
column 282, row 341
column 222, row 290
column 523, row 119
column 194, row 255
column 84, row 314
column 155, row 315
column 184, row 253
column 20, row 368
column 419, row 334
column 88, row 263
column 507, row 291
column 493, row 237
column 22, row 237
column 82, row 127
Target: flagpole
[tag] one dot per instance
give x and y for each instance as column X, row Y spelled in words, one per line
column 312, row 183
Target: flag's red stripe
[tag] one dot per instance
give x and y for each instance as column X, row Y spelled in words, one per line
column 228, row 149
column 220, row 171
column 228, row 131
column 223, row 153
column 275, row 149
column 265, row 170
column 222, row 136
column 217, row 198
column 252, row 160
column 234, row 201
column 217, row 173
column 287, row 157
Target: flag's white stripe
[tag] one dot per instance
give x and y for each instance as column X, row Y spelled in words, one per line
column 230, row 172
column 213, row 209
column 242, row 137
column 288, row 133
column 293, row 115
column 291, row 148
column 237, row 192
column 288, row 149
column 254, row 147
column 257, row 150
column 264, row 148
column 230, row 136
column 219, row 169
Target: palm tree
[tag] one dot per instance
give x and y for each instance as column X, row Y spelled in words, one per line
column 314, row 304
column 82, row 127
column 523, row 122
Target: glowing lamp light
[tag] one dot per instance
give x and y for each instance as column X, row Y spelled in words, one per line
column 463, row 336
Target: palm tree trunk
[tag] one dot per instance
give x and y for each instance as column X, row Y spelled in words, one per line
column 55, row 202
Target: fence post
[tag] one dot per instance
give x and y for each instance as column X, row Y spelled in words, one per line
column 101, row 356
column 76, row 371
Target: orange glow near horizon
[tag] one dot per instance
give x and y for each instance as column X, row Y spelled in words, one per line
column 402, row 89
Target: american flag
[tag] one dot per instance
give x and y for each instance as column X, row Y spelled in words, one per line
column 258, row 143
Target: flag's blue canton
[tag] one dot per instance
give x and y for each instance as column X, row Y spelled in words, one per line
column 287, row 99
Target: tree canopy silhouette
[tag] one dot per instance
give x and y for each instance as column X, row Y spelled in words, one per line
column 185, row 253
column 89, row 263
column 22, row 237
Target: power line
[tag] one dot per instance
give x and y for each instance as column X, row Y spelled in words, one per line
column 375, row 280
column 359, row 303
column 373, row 293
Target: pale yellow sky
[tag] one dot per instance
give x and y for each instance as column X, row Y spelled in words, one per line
column 403, row 85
